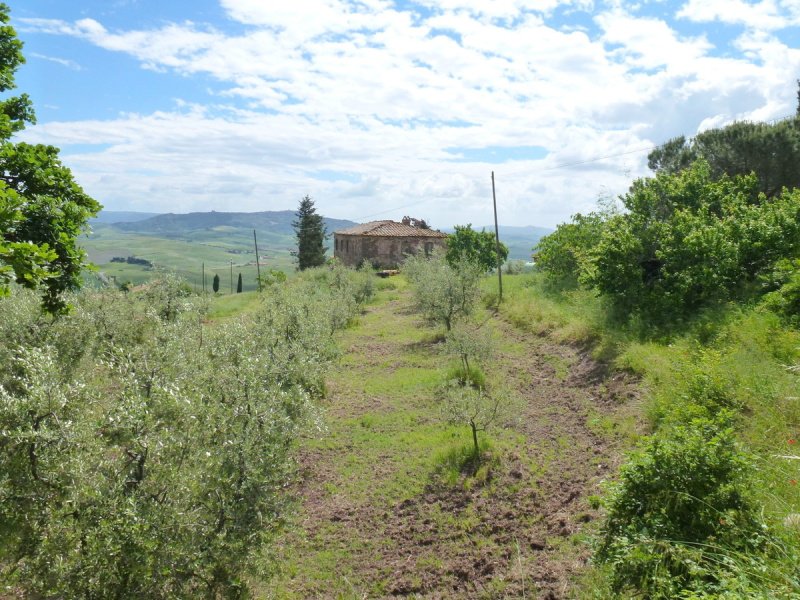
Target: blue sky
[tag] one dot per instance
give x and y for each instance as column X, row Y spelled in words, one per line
column 386, row 107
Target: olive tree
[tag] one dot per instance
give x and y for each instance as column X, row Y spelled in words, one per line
column 442, row 292
column 473, row 347
column 137, row 462
column 479, row 408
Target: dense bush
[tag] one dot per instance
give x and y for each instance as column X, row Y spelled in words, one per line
column 478, row 247
column 683, row 520
column 687, row 241
column 680, row 518
column 567, row 254
column 693, row 249
column 785, row 299
column 145, row 455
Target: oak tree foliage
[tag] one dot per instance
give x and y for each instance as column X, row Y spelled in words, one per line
column 689, row 240
column 479, row 247
column 42, row 209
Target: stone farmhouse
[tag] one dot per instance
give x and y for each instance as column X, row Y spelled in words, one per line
column 386, row 243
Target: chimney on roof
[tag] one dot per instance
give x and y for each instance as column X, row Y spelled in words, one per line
column 417, row 223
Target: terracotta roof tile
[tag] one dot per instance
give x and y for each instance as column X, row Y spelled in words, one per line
column 390, row 229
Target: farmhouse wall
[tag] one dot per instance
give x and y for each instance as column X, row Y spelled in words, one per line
column 382, row 252
column 386, row 243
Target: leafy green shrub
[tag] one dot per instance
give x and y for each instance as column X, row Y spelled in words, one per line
column 567, row 254
column 688, row 241
column 785, row 300
column 701, row 389
column 169, row 296
column 477, row 247
column 680, row 518
column 271, row 277
column 351, row 290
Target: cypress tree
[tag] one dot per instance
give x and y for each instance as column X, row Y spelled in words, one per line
column 215, row 284
column 239, row 285
column 310, row 231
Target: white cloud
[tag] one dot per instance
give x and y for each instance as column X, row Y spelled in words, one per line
column 364, row 88
column 765, row 15
column 64, row 62
column 650, row 43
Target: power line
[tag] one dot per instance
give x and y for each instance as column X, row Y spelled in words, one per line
column 582, row 162
column 553, row 168
column 597, row 159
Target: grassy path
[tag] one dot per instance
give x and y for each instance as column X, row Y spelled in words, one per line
column 384, row 514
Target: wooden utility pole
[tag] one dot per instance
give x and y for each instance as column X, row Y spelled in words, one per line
column 204, row 278
column 258, row 265
column 231, row 277
column 497, row 239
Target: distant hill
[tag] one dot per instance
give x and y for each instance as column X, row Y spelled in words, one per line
column 521, row 240
column 121, row 216
column 275, row 222
column 217, row 243
column 220, row 243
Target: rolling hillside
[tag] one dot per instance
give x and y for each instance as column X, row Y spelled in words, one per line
column 221, row 243
column 218, row 243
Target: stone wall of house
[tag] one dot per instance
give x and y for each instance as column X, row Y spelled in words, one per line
column 383, row 252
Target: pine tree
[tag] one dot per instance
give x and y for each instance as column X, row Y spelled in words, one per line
column 215, row 285
column 239, row 285
column 310, row 231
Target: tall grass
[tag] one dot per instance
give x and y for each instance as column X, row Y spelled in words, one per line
column 744, row 357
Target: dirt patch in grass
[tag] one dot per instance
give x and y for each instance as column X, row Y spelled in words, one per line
column 379, row 519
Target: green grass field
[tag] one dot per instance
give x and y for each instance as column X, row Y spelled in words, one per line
column 386, row 504
column 746, row 350
column 221, row 250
